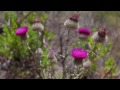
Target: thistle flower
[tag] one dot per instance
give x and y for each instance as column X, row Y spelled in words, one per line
column 87, row 64
column 37, row 26
column 22, row 32
column 72, row 22
column 79, row 54
column 84, row 33
column 100, row 36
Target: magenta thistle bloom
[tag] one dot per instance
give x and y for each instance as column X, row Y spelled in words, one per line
column 85, row 31
column 22, row 30
column 79, row 54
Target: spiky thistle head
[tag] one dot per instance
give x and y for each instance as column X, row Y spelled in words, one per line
column 37, row 25
column 100, row 36
column 72, row 22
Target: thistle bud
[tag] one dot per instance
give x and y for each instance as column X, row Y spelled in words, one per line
column 100, row 36
column 72, row 22
column 37, row 25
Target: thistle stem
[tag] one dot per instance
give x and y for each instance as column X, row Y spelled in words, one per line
column 37, row 42
column 30, row 51
column 66, row 54
column 35, row 60
column 42, row 37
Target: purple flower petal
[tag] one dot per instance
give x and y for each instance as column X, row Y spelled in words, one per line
column 79, row 53
column 22, row 30
column 85, row 31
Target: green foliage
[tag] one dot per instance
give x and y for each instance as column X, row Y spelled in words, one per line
column 111, row 65
column 12, row 46
column 49, row 35
column 45, row 61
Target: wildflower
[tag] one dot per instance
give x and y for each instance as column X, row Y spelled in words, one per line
column 100, row 36
column 84, row 33
column 79, row 54
column 72, row 22
column 22, row 32
column 37, row 26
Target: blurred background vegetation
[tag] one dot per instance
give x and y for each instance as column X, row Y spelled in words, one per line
column 9, row 47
